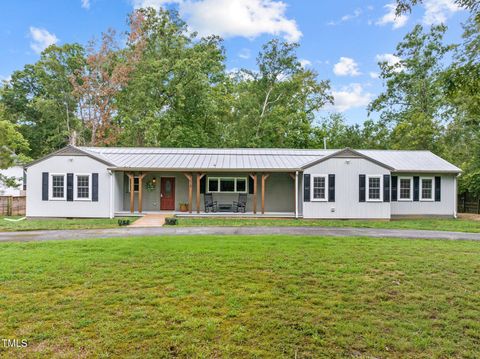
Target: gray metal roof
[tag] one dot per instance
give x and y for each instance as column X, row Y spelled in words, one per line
column 241, row 159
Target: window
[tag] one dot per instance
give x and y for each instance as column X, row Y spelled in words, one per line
column 136, row 184
column 374, row 188
column 58, row 186
column 426, row 188
column 405, row 189
column 319, row 188
column 227, row 184
column 82, row 186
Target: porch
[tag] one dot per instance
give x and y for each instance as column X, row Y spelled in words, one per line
column 273, row 194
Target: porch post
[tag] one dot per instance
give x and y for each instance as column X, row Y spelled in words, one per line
column 190, row 190
column 264, row 178
column 132, row 193
column 199, row 177
column 296, row 194
column 254, row 177
column 140, row 192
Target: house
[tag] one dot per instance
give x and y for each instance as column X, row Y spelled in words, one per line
column 108, row 181
column 17, row 173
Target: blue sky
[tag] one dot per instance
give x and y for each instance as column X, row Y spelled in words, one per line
column 341, row 40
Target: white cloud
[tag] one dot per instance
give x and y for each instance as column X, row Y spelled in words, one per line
column 356, row 13
column 41, row 39
column 346, row 67
column 246, row 18
column 391, row 17
column 244, row 54
column 351, row 96
column 390, row 59
column 374, row 75
column 305, row 62
column 86, row 4
column 438, row 11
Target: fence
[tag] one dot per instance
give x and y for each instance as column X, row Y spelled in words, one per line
column 12, row 206
column 468, row 204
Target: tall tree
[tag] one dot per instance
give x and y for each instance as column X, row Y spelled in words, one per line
column 413, row 103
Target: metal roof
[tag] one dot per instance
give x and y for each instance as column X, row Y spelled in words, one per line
column 241, row 159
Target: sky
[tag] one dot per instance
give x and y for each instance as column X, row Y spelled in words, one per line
column 341, row 40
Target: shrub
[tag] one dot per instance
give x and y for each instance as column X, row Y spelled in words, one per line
column 170, row 221
column 123, row 222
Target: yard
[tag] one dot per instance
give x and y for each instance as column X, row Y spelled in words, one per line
column 40, row 224
column 468, row 224
column 241, row 297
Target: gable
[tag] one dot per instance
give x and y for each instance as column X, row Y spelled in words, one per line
column 347, row 153
column 69, row 151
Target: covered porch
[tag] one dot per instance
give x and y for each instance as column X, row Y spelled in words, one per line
column 272, row 194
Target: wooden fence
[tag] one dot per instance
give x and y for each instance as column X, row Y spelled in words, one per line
column 468, row 204
column 12, row 206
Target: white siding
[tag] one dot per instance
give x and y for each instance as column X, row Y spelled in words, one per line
column 446, row 206
column 36, row 207
column 347, row 204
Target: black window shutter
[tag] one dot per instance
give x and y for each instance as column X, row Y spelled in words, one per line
column 45, row 186
column 394, row 188
column 416, row 188
column 203, row 184
column 70, row 187
column 306, row 187
column 361, row 182
column 386, row 188
column 250, row 185
column 331, row 188
column 95, row 187
column 438, row 188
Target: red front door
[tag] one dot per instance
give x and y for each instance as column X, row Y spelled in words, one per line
column 167, row 193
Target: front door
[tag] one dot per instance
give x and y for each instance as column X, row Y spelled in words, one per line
column 167, row 193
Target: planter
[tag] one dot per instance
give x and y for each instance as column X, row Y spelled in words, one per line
column 183, row 207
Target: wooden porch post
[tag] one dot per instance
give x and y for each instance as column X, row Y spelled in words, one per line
column 190, row 190
column 132, row 193
column 199, row 177
column 264, row 178
column 254, row 177
column 294, row 176
column 140, row 192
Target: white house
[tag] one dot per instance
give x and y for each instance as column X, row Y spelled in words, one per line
column 105, row 182
column 17, row 173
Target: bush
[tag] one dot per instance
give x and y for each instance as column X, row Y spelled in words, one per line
column 123, row 222
column 170, row 221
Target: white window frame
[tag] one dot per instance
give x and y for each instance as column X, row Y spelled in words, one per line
column 50, row 187
column 218, row 179
column 380, row 199
column 75, row 186
column 312, row 198
column 432, row 198
column 399, row 187
column 129, row 184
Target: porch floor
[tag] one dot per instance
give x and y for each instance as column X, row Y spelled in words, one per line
column 210, row 214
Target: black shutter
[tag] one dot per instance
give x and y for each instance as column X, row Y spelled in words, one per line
column 438, row 188
column 416, row 188
column 203, row 184
column 45, row 186
column 394, row 188
column 95, row 187
column 386, row 188
column 331, row 188
column 306, row 187
column 361, row 186
column 70, row 187
column 251, row 185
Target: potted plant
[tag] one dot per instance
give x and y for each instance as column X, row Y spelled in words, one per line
column 183, row 207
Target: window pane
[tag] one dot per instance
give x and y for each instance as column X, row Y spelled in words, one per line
column 57, row 186
column 83, row 186
column 212, row 185
column 319, row 187
column 227, row 185
column 136, row 182
column 405, row 188
column 427, row 188
column 241, row 184
column 374, row 188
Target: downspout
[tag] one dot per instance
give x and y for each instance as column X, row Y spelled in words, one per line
column 296, row 194
column 112, row 203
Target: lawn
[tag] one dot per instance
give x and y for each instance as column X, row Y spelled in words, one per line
column 76, row 223
column 239, row 296
column 439, row 224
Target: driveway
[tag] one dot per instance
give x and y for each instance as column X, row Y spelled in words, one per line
column 174, row 231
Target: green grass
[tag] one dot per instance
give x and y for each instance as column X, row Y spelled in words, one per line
column 76, row 223
column 243, row 297
column 439, row 224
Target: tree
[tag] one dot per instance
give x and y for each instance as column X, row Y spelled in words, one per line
column 276, row 105
column 471, row 5
column 413, row 104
